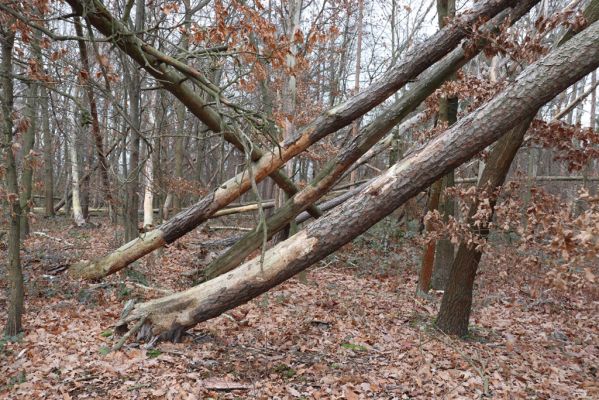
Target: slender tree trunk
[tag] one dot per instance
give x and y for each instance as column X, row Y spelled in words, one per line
column 289, row 104
column 536, row 85
column 181, row 114
column 457, row 301
column 131, row 212
column 15, row 275
column 359, row 28
column 78, row 218
column 330, row 121
column 85, row 76
column 148, row 192
column 48, row 154
column 448, row 109
column 28, row 143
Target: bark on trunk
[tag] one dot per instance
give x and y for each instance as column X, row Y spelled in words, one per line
column 536, row 85
column 332, row 172
column 28, row 143
column 328, row 122
column 428, row 256
column 457, row 301
column 78, row 218
column 15, row 274
column 85, row 76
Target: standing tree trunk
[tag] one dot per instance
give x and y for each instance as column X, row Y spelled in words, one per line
column 85, row 76
column 457, row 300
column 132, row 203
column 437, row 255
column 15, row 274
column 28, row 143
column 535, row 86
column 360, row 29
column 78, row 218
column 289, row 104
column 48, row 154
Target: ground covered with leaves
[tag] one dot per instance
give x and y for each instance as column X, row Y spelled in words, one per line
column 353, row 329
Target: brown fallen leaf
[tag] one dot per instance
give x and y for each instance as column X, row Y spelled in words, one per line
column 223, row 384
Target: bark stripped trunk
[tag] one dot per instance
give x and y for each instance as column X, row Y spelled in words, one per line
column 15, row 274
column 457, row 301
column 536, row 85
column 421, row 57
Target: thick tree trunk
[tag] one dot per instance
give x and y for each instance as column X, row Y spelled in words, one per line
column 536, row 85
column 328, row 122
column 15, row 274
column 457, row 301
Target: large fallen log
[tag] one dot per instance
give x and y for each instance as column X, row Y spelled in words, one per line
column 421, row 57
column 536, row 85
column 368, row 136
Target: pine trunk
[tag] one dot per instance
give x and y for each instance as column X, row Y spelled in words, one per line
column 328, row 122
column 536, row 85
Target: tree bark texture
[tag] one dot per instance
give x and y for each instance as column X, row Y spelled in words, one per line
column 457, row 300
column 330, row 121
column 93, row 114
column 536, row 85
column 15, row 274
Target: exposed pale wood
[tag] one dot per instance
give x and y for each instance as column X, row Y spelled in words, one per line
column 535, row 86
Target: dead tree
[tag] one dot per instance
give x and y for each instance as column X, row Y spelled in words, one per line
column 535, row 86
column 169, row 72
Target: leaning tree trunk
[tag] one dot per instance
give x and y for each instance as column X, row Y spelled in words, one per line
column 330, row 121
column 536, row 85
column 457, row 300
column 15, row 274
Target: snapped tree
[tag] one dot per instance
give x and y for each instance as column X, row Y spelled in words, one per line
column 170, row 73
column 535, row 86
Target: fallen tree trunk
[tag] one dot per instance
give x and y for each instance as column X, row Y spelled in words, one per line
column 330, row 121
column 535, row 86
column 370, row 135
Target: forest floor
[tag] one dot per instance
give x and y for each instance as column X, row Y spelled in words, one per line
column 352, row 330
